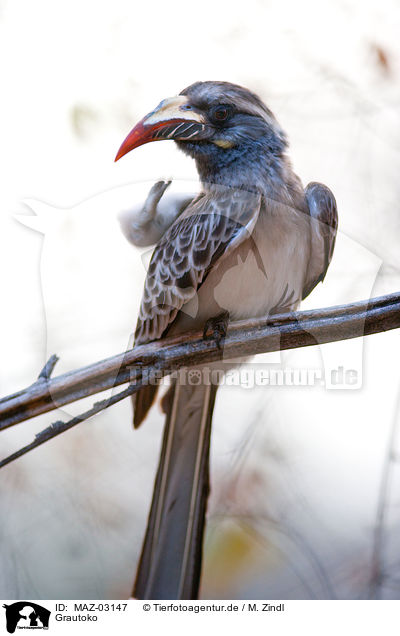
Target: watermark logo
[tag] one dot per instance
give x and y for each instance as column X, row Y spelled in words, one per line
column 248, row 376
column 26, row 615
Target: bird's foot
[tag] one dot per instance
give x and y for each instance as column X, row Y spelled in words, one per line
column 154, row 197
column 216, row 328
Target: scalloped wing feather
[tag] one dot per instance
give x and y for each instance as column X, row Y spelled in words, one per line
column 207, row 231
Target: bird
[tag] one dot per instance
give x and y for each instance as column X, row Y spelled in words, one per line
column 253, row 242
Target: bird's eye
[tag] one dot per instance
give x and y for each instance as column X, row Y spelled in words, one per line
column 221, row 113
column 186, row 107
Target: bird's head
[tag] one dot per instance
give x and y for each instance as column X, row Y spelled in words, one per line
column 217, row 123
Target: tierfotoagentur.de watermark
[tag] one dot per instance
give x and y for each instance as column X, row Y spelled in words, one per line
column 248, row 377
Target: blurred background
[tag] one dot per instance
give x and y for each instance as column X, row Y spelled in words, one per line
column 305, row 479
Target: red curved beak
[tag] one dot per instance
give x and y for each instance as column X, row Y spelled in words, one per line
column 172, row 119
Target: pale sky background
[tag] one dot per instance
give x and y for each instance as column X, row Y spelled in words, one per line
column 296, row 471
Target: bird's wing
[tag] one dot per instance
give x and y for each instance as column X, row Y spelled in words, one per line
column 204, row 234
column 324, row 222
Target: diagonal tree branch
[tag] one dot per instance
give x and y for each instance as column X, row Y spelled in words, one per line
column 244, row 338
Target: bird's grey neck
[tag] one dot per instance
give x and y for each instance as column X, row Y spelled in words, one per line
column 265, row 175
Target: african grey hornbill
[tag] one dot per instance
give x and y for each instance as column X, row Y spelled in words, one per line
column 252, row 243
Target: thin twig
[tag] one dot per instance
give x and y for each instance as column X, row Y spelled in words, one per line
column 377, row 558
column 48, row 368
column 60, row 427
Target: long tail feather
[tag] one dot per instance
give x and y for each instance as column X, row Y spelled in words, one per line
column 142, row 402
column 170, row 562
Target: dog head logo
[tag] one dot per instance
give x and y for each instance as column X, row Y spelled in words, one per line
column 26, row 615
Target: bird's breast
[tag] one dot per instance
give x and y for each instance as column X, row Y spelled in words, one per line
column 264, row 273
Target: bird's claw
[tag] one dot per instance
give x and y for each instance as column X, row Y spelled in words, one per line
column 216, row 328
column 155, row 193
